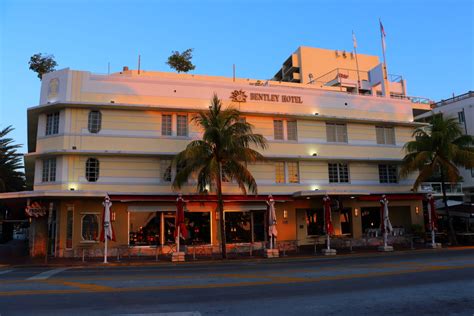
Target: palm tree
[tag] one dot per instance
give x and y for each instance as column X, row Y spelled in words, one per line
column 440, row 147
column 11, row 179
column 223, row 152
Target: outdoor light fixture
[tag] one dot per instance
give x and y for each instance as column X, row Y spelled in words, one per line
column 356, row 212
column 307, row 197
column 417, row 210
column 285, row 214
column 112, row 216
column 217, row 216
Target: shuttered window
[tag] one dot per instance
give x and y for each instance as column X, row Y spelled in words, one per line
column 336, row 132
column 166, row 125
column 278, row 129
column 292, row 130
column 182, row 125
column 385, row 135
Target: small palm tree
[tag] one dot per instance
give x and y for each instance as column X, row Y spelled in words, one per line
column 11, row 177
column 223, row 152
column 440, row 147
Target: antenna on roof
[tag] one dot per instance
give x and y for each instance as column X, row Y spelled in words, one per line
column 233, row 72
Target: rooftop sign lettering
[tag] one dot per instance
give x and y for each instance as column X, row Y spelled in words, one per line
column 240, row 96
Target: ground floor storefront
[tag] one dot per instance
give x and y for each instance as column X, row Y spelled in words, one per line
column 144, row 225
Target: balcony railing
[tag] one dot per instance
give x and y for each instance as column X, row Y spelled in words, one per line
column 435, row 187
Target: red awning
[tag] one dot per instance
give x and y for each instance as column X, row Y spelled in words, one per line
column 196, row 198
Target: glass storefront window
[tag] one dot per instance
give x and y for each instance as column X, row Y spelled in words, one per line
column 238, row 226
column 144, row 228
column 199, row 228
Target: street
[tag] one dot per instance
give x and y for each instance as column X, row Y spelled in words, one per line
column 416, row 283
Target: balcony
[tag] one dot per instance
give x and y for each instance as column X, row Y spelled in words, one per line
column 452, row 189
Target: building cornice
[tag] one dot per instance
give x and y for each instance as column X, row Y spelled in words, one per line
column 172, row 154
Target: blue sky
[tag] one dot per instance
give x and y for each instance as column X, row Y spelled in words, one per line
column 430, row 43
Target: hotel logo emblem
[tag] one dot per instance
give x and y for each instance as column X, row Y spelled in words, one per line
column 238, row 96
column 53, row 88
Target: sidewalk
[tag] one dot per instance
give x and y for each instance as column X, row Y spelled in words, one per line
column 26, row 262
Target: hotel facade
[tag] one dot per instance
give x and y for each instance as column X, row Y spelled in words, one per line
column 333, row 128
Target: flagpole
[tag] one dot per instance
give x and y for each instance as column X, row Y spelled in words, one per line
column 382, row 36
column 354, row 42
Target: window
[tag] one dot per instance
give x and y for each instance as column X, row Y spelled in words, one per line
column 385, row 135
column 336, row 133
column 95, row 121
column 182, row 125
column 90, row 227
column 278, row 129
column 461, row 118
column 69, row 226
column 338, row 172
column 166, row 125
column 52, row 123
column 49, row 170
column 280, row 172
column 166, row 170
column 293, row 172
column 292, row 130
column 388, row 174
column 92, row 169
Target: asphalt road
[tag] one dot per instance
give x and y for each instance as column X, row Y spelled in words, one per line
column 430, row 283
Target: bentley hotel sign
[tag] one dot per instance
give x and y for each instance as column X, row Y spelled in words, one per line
column 240, row 96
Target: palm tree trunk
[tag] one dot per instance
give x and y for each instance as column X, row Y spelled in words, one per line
column 220, row 209
column 452, row 234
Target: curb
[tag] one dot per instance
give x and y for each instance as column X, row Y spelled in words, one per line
column 318, row 257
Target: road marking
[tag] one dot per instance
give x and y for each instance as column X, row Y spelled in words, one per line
column 47, row 274
column 164, row 314
column 273, row 281
column 5, row 271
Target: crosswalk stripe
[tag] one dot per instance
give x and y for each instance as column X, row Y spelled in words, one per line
column 46, row 274
column 5, row 271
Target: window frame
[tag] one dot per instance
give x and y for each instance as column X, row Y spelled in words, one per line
column 94, row 124
column 384, row 134
column 339, row 166
column 386, row 169
column 48, row 173
column 336, row 127
column 276, row 126
column 461, row 117
column 283, row 172
column 96, row 215
column 294, row 132
column 179, row 132
column 87, row 166
column 289, row 176
column 52, row 123
column 164, row 127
